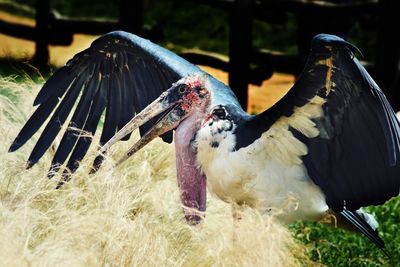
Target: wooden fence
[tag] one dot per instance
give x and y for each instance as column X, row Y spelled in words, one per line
column 246, row 64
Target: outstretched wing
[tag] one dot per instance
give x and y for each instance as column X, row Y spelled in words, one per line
column 120, row 73
column 355, row 155
column 350, row 130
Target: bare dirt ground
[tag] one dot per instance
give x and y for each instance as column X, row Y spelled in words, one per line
column 260, row 97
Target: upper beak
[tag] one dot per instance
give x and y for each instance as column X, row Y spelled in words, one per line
column 173, row 114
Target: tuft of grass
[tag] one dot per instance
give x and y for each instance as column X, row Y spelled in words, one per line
column 125, row 216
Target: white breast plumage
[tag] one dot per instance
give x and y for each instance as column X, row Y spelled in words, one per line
column 268, row 174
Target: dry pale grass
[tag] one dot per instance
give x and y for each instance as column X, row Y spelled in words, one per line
column 124, row 216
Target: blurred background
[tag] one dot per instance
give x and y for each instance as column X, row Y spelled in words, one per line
column 257, row 46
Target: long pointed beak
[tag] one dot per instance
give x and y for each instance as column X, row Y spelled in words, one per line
column 169, row 120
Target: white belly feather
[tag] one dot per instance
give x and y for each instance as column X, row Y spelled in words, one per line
column 268, row 174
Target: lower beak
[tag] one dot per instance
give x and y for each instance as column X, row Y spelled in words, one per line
column 168, row 121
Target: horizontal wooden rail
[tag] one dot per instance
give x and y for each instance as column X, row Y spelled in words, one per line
column 29, row 33
column 84, row 25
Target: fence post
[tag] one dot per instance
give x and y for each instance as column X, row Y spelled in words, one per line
column 131, row 15
column 240, row 45
column 41, row 57
column 388, row 52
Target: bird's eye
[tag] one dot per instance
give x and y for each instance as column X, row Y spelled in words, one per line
column 219, row 113
column 182, row 88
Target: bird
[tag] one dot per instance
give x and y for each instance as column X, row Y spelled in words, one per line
column 331, row 145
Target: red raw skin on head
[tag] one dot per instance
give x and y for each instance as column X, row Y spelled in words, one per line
column 191, row 99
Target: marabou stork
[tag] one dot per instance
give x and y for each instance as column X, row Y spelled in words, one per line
column 331, row 144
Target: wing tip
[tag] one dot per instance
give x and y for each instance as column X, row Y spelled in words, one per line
column 97, row 163
column 29, row 164
column 17, row 143
column 330, row 39
column 365, row 228
column 37, row 101
column 42, row 96
column 14, row 146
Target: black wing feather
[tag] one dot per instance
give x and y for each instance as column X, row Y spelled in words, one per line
column 110, row 118
column 128, row 92
column 364, row 228
column 56, row 122
column 58, row 83
column 84, row 142
column 82, row 115
column 121, row 73
column 364, row 170
column 99, row 104
column 80, row 150
column 355, row 159
column 34, row 123
column 78, row 121
column 127, row 111
column 48, row 97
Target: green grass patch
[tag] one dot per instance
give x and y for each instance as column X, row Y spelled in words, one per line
column 338, row 247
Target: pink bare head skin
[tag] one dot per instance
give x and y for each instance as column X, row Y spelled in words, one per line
column 179, row 102
column 184, row 105
column 192, row 182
